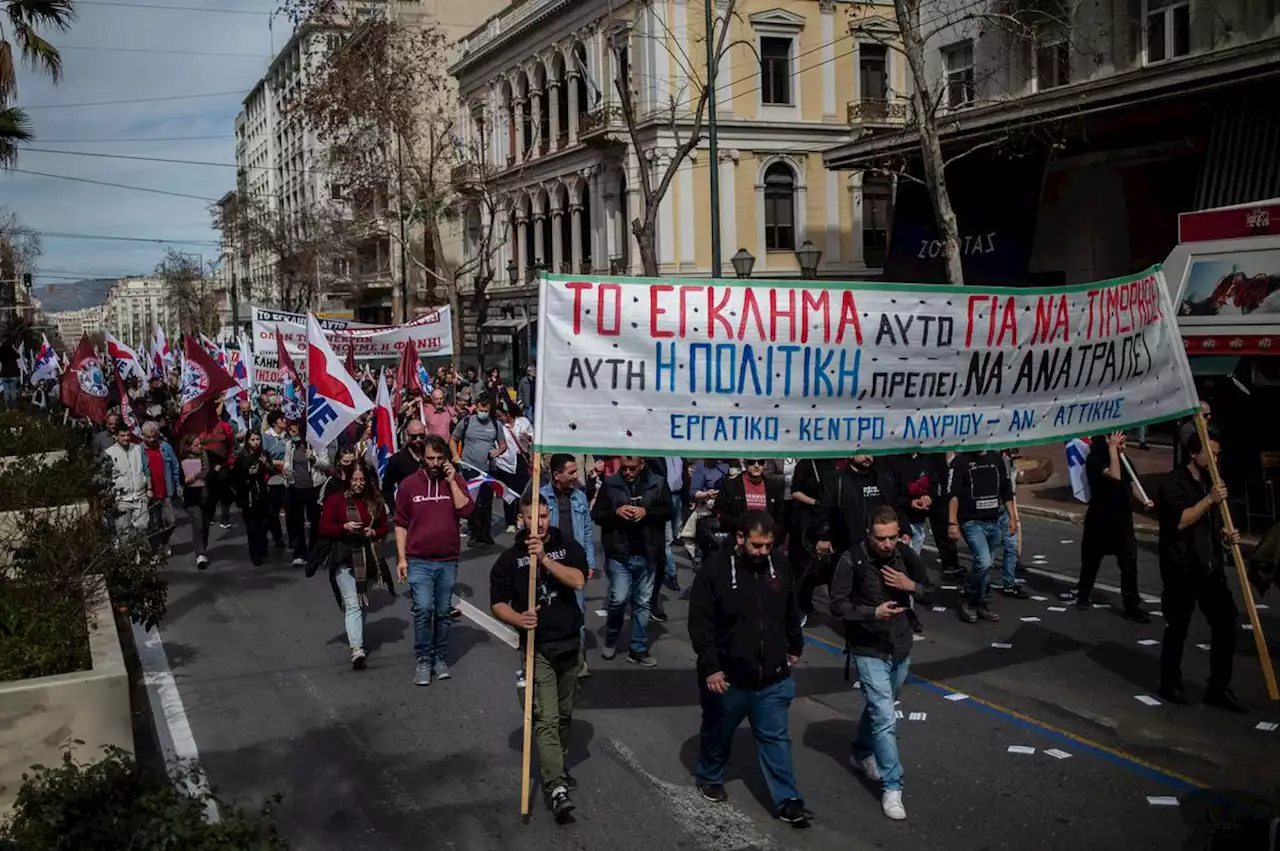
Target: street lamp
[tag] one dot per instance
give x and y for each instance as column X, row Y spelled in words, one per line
column 743, row 262
column 808, row 256
column 513, row 271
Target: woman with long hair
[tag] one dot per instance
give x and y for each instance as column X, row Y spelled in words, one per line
column 195, row 495
column 354, row 520
column 252, row 470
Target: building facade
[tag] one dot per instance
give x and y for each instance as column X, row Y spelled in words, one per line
column 71, row 325
column 135, row 306
column 539, row 94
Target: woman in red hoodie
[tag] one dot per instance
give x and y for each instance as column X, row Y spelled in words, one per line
column 354, row 519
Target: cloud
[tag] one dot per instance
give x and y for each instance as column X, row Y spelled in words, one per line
column 65, row 206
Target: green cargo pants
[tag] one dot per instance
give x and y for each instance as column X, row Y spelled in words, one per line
column 555, row 688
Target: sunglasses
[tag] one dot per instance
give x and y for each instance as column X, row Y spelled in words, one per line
column 756, row 462
column 630, row 467
column 417, row 438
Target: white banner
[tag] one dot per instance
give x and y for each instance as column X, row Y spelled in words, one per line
column 432, row 333
column 809, row 369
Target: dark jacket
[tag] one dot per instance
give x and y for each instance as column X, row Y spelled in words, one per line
column 845, row 504
column 743, row 622
column 622, row 538
column 400, row 466
column 909, row 477
column 560, row 618
column 980, row 484
column 1197, row 550
column 856, row 591
column 731, row 504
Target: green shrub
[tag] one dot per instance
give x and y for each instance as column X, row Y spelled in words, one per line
column 112, row 804
column 27, row 483
column 23, row 433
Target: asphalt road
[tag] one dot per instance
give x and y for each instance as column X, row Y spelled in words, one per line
column 367, row 760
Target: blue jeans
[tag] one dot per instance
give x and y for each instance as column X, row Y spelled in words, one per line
column 673, row 533
column 767, row 710
column 630, row 580
column 916, row 531
column 985, row 538
column 877, row 731
column 431, row 584
column 1009, row 566
column 352, row 609
column 9, row 386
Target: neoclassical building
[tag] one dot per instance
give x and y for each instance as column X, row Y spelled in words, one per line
column 536, row 88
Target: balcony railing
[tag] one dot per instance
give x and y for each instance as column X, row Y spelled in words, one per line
column 880, row 112
column 467, row 174
column 606, row 118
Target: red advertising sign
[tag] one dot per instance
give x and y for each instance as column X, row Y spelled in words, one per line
column 1240, row 222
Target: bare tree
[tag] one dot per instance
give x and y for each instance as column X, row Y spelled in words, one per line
column 20, row 248
column 1024, row 23
column 192, row 292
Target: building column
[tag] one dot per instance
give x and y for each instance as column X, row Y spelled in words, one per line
column 666, row 211
column 539, row 243
column 522, row 234
column 535, row 123
column 557, row 239
column 519, row 152
column 553, row 91
column 598, row 249
column 573, row 109
column 631, row 211
column 729, row 244
column 575, row 237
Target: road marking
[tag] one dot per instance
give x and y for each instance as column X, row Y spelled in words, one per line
column 1062, row 577
column 1057, row 753
column 1022, row 749
column 171, row 716
column 1162, row 800
column 488, row 623
column 717, row 827
column 1126, row 760
column 1147, row 699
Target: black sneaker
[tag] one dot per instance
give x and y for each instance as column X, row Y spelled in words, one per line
column 985, row 613
column 713, row 792
column 1224, row 699
column 644, row 660
column 953, row 570
column 793, row 812
column 967, row 612
column 1017, row 592
column 473, row 541
column 657, row 615
column 1137, row 615
column 671, row 584
column 561, row 805
column 570, row 781
column 1084, row 605
column 1177, row 695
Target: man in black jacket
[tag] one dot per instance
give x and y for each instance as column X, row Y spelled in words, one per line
column 752, row 491
column 870, row 591
column 1108, row 525
column 981, row 510
column 909, row 485
column 631, row 509
column 745, row 629
column 406, row 462
column 1192, row 565
column 847, row 504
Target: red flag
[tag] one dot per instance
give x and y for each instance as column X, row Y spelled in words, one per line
column 406, row 373
column 84, row 389
column 128, row 412
column 203, row 383
column 351, row 360
column 288, row 372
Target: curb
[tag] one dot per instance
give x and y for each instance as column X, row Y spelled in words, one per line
column 1146, row 531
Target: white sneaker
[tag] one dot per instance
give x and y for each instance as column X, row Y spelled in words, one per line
column 891, row 803
column 804, row 621
column 299, row 562
column 866, row 766
column 511, row 530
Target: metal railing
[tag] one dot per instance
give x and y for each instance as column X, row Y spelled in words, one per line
column 879, row 111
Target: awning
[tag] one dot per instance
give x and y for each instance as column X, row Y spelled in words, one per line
column 505, row 326
column 1213, row 366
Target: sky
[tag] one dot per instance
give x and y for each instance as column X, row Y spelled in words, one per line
column 168, row 63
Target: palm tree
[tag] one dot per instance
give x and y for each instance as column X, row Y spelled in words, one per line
column 18, row 26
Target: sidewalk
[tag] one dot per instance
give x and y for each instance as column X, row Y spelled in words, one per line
column 1053, row 497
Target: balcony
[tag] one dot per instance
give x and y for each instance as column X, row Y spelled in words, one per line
column 606, row 119
column 873, row 113
column 469, row 175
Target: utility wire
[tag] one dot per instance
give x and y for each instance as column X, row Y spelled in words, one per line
column 113, row 185
column 132, row 5
column 134, row 139
column 237, row 92
column 162, row 51
column 48, row 234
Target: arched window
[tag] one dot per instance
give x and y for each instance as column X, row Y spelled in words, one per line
column 779, row 208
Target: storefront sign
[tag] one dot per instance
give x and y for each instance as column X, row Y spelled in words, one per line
column 432, row 333
column 753, row 369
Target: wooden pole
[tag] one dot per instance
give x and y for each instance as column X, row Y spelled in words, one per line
column 1215, row 476
column 526, row 755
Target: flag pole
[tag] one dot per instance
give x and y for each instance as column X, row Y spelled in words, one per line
column 526, row 754
column 1246, row 591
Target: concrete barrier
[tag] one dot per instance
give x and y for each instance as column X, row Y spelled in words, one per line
column 44, row 459
column 39, row 716
column 13, row 524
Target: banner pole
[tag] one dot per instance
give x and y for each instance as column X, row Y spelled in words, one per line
column 1264, row 654
column 526, row 755
column 1133, row 477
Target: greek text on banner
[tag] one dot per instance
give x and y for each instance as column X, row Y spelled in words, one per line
column 815, row 368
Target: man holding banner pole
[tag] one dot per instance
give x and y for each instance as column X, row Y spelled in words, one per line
column 1108, row 525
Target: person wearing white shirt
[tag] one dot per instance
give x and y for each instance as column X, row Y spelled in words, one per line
column 512, row 466
column 131, row 480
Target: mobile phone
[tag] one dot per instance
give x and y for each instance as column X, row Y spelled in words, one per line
column 637, row 501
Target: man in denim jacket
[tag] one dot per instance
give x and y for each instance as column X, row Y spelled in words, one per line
column 570, row 512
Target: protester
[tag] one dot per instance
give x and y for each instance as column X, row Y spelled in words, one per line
column 512, row 466
column 1108, row 525
column 708, row 476
column 273, row 445
column 1192, row 566
column 105, row 439
column 162, row 469
column 473, row 385
column 909, row 483
column 871, row 592
column 846, row 504
column 406, row 461
column 745, row 629
column 10, row 371
column 813, row 477
column 555, row 619
column 752, row 491
column 631, row 509
column 1186, row 430
column 219, row 445
column 429, row 505
column 477, row 440
column 438, row 417
column 675, row 471
column 196, row 501
column 980, row 511
column 527, row 388
column 341, row 465
column 570, row 512
column 131, row 482
column 303, row 477
column 354, row 520
column 253, row 471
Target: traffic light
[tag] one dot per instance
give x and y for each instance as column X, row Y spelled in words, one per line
column 26, row 280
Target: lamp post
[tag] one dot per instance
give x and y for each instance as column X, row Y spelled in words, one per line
column 743, row 262
column 808, row 256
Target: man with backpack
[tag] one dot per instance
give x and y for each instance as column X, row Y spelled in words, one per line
column 477, row 441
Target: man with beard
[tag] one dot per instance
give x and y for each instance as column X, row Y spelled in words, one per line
column 429, row 506
column 846, row 506
column 871, row 592
column 745, row 630
column 752, row 491
column 981, row 511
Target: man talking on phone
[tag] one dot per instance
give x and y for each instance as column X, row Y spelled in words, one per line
column 871, row 592
column 430, row 505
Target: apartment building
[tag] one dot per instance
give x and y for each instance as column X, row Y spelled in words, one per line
column 71, row 325
column 540, row 102
column 1078, row 132
column 135, row 306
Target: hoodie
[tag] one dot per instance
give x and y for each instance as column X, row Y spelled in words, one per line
column 560, row 618
column 424, row 508
column 844, row 506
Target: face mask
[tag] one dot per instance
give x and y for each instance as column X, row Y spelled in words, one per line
column 482, row 417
